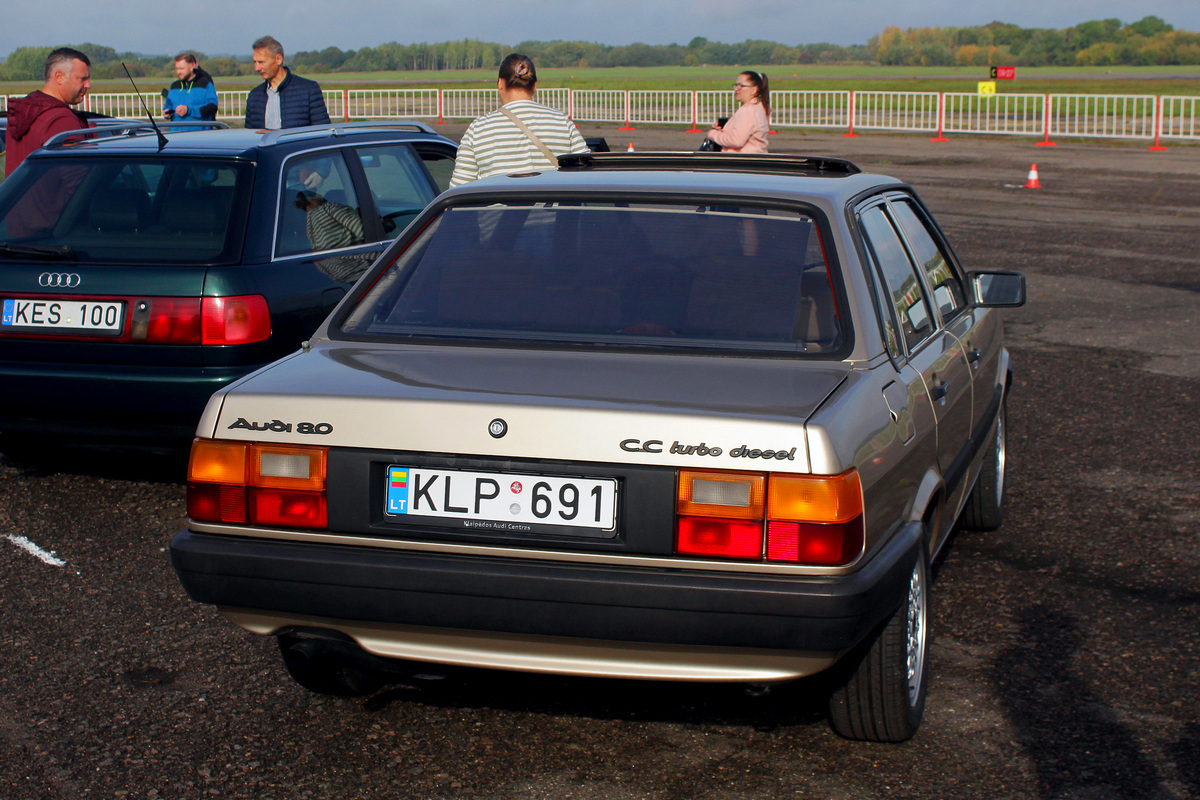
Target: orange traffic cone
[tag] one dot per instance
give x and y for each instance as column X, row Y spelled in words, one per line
column 630, row 148
column 1033, row 182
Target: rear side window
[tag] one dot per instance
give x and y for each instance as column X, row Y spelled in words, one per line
column 398, row 183
column 440, row 166
column 318, row 207
column 947, row 288
column 905, row 290
column 159, row 211
column 608, row 273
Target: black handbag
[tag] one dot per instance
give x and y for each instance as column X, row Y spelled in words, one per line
column 708, row 146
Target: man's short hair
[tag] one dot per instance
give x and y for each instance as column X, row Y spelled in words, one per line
column 61, row 59
column 268, row 43
column 188, row 57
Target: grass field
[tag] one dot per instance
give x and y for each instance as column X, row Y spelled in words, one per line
column 1171, row 80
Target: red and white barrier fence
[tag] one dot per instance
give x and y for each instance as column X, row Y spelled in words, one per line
column 1008, row 114
column 1145, row 117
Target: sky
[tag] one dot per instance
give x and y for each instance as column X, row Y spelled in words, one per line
column 217, row 27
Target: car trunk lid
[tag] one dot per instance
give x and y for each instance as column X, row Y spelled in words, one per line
column 633, row 408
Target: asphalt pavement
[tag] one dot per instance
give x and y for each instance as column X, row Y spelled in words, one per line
column 1065, row 645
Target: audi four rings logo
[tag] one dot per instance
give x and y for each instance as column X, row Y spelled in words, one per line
column 59, row 280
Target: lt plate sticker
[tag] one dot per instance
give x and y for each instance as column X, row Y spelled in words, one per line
column 502, row 501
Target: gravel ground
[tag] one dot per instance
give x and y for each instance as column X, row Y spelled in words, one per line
column 1065, row 645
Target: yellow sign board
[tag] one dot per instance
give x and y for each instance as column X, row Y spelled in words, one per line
column 987, row 87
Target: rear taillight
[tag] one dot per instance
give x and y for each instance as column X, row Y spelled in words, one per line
column 166, row 320
column 257, row 484
column 200, row 320
column 235, row 320
column 813, row 520
column 721, row 538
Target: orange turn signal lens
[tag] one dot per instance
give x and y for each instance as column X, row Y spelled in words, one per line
column 815, row 498
column 730, row 495
column 217, row 462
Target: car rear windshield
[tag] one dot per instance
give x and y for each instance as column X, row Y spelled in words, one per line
column 132, row 211
column 610, row 273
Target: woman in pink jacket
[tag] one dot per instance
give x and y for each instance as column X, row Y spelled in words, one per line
column 746, row 131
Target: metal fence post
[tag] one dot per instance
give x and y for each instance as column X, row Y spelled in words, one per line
column 1046, row 121
column 1157, row 124
column 850, row 134
column 941, row 118
column 628, row 125
column 695, row 118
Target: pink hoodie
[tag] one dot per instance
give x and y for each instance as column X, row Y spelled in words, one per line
column 746, row 131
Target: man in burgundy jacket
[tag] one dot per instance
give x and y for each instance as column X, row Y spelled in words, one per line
column 44, row 112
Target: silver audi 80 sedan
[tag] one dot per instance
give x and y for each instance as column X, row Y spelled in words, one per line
column 690, row 417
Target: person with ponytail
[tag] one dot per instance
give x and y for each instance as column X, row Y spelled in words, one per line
column 520, row 136
column 746, row 131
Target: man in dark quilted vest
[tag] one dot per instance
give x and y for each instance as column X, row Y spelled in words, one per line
column 283, row 99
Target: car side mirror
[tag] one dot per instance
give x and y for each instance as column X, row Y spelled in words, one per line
column 998, row 289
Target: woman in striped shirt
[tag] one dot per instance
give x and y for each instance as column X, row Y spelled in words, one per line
column 495, row 145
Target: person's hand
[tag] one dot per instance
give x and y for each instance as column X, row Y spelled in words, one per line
column 181, row 110
column 313, row 180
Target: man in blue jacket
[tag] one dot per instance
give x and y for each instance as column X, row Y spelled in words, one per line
column 193, row 97
column 282, row 100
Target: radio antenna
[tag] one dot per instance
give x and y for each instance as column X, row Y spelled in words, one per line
column 162, row 140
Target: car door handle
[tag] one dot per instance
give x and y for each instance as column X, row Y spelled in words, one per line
column 974, row 355
column 938, row 391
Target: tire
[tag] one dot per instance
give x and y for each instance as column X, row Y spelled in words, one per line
column 984, row 509
column 320, row 669
column 882, row 699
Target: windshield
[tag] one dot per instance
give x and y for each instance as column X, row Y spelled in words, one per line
column 103, row 210
column 610, row 273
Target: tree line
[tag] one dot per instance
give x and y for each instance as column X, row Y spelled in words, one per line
column 1149, row 41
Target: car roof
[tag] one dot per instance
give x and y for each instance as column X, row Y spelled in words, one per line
column 142, row 138
column 782, row 177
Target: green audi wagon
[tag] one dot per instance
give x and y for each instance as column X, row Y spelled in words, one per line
column 140, row 272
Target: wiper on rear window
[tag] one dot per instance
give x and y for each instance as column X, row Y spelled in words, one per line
column 50, row 252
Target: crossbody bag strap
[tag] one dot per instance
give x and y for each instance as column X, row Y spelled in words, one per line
column 532, row 137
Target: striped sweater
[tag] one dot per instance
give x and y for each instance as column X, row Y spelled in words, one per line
column 494, row 145
column 333, row 225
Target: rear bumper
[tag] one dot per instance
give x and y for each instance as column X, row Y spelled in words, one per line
column 98, row 401
column 587, row 619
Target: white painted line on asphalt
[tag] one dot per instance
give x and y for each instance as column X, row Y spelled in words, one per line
column 34, row 550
